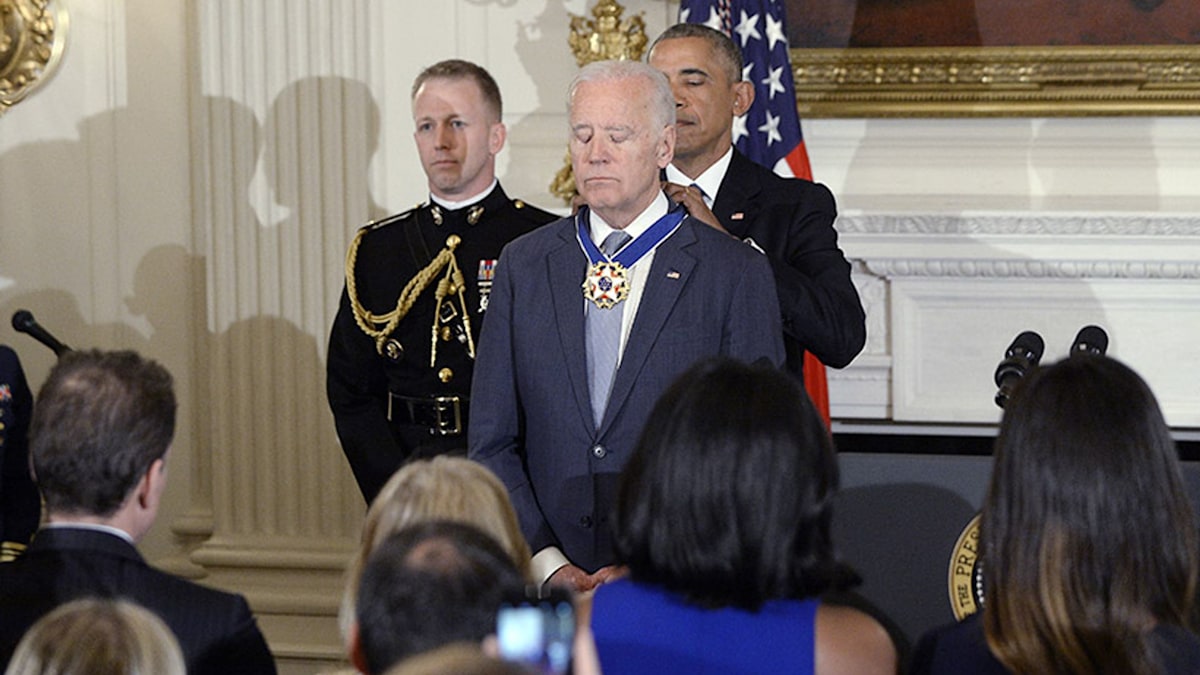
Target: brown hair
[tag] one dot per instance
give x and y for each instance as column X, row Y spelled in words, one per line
column 457, row 69
column 1088, row 536
column 100, row 421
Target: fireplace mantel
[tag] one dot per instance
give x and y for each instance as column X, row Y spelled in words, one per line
column 945, row 293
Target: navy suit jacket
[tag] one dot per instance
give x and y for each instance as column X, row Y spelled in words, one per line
column 215, row 629
column 531, row 420
column 792, row 221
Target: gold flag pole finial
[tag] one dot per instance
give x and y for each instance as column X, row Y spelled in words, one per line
column 606, row 37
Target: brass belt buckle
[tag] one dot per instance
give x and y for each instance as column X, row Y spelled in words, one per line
column 447, row 412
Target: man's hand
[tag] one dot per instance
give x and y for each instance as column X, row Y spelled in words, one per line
column 572, row 578
column 609, row 573
column 693, row 201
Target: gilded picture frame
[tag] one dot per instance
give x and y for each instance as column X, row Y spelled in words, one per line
column 997, row 81
column 939, row 58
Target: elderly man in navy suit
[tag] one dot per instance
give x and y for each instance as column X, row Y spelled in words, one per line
column 585, row 331
column 789, row 219
column 99, row 438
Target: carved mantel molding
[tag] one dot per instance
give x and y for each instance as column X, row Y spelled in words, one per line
column 1026, row 245
column 1033, row 224
column 945, row 292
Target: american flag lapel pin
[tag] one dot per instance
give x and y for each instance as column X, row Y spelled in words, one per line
column 738, row 216
column 672, row 274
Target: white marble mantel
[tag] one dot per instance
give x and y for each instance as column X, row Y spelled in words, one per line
column 946, row 293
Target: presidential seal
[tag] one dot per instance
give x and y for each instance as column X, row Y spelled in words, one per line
column 605, row 284
column 966, row 572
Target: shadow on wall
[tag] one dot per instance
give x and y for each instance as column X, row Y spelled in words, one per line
column 541, row 135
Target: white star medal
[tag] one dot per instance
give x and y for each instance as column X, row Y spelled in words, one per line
column 606, row 283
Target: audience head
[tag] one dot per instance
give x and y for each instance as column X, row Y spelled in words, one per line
column 428, row 585
column 461, row 659
column 442, row 488
column 727, row 496
column 99, row 637
column 704, row 67
column 621, row 117
column 457, row 112
column 1088, row 536
column 102, row 424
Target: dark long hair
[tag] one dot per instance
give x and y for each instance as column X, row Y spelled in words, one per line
column 1089, row 539
column 726, row 499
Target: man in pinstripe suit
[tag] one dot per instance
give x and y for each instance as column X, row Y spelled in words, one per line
column 99, row 439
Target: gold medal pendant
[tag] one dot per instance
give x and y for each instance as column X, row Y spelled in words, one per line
column 605, row 284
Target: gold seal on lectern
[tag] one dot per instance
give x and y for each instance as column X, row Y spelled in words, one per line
column 966, row 572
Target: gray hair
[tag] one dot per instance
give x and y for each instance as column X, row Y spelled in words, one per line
column 728, row 55
column 662, row 101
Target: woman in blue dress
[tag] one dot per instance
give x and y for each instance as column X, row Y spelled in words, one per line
column 723, row 520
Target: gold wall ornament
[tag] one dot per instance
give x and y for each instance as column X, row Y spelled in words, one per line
column 33, row 34
column 607, row 37
column 563, row 186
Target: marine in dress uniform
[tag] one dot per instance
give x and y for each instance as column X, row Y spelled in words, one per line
column 402, row 347
column 20, row 504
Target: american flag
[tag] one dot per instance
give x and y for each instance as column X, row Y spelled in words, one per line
column 769, row 133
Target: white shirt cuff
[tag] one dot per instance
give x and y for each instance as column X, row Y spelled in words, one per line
column 546, row 562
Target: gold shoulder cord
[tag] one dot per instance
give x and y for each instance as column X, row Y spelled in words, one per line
column 451, row 284
column 380, row 326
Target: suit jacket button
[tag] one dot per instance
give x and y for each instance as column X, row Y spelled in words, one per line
column 599, row 452
column 585, row 521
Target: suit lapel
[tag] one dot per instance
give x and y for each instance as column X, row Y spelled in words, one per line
column 566, row 265
column 737, row 196
column 669, row 273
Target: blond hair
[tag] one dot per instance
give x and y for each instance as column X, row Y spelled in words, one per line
column 100, row 637
column 442, row 488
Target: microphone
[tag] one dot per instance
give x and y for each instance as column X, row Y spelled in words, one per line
column 1022, row 355
column 1090, row 340
column 23, row 322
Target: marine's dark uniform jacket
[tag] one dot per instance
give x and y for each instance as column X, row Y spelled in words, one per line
column 20, row 505
column 367, row 388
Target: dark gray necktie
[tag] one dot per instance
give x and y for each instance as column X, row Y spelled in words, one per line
column 603, row 338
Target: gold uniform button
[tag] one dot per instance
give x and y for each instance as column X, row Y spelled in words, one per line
column 393, row 350
column 445, row 374
column 453, row 241
column 446, row 334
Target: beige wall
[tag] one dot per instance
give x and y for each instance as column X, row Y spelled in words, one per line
column 188, row 181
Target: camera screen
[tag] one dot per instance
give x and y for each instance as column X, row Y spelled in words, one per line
column 538, row 633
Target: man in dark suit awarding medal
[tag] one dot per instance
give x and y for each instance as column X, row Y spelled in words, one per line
column 789, row 219
column 565, row 381
column 402, row 347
